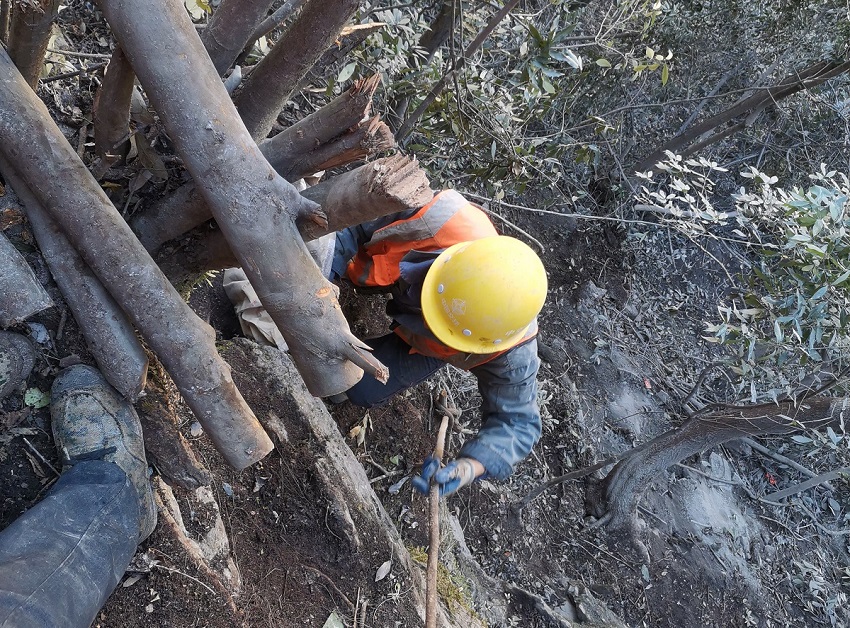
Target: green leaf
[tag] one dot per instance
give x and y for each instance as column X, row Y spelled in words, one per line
column 603, row 63
column 346, row 73
column 35, row 398
column 665, row 74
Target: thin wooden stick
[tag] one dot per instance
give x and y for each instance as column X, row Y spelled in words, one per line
column 434, row 536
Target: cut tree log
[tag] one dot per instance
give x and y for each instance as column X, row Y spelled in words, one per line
column 186, row 209
column 616, row 498
column 111, row 113
column 255, row 207
column 29, row 34
column 267, row 88
column 232, row 24
column 380, row 188
column 109, row 335
column 23, row 295
column 33, row 145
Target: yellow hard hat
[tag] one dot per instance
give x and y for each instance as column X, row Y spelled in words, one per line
column 481, row 296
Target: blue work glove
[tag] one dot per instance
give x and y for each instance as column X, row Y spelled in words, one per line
column 450, row 478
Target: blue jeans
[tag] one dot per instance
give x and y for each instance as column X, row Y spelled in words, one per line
column 406, row 370
column 61, row 559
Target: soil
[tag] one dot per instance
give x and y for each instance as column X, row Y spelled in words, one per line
column 621, row 344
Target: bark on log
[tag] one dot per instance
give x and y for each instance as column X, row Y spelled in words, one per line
column 33, row 144
column 5, row 7
column 342, row 480
column 109, row 335
column 269, row 24
column 165, row 445
column 23, row 295
column 29, row 33
column 273, row 80
column 186, row 208
column 111, row 112
column 811, row 76
column 255, row 207
column 383, row 187
column 369, row 138
column 620, row 491
column 232, row 24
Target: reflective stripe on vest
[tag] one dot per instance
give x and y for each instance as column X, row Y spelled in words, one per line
column 464, row 361
column 447, row 220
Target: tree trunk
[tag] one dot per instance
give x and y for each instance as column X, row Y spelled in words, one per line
column 273, row 80
column 5, row 6
column 255, row 208
column 229, row 29
column 23, row 295
column 33, row 144
column 111, row 112
column 29, row 33
column 186, row 209
column 377, row 189
column 620, row 491
column 109, row 335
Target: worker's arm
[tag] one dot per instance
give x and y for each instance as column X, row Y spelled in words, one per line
column 350, row 239
column 510, row 418
column 510, row 424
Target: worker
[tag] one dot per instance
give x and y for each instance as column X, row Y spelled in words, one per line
column 61, row 559
column 462, row 295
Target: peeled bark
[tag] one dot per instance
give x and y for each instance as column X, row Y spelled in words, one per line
column 109, row 335
column 377, row 189
column 111, row 111
column 622, row 488
column 23, row 296
column 33, row 145
column 29, row 33
column 272, row 81
column 229, row 29
column 186, row 208
column 255, row 207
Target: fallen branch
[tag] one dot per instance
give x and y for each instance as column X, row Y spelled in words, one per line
column 29, row 34
column 229, row 29
column 111, row 112
column 186, row 208
column 108, row 333
column 377, row 189
column 23, row 295
column 272, row 81
column 255, row 208
column 184, row 343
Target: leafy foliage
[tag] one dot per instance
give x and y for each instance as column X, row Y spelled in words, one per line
column 793, row 308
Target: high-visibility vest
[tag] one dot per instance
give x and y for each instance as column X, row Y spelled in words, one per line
column 464, row 361
column 447, row 220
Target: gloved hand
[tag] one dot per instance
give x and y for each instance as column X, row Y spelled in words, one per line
column 450, row 478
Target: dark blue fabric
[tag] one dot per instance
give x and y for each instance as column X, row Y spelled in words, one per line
column 61, row 559
column 406, row 370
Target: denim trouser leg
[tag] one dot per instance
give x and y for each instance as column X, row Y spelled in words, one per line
column 61, row 559
column 406, row 370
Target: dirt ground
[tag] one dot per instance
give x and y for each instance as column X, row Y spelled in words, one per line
column 621, row 344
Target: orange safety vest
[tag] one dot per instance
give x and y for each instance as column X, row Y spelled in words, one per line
column 447, row 220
